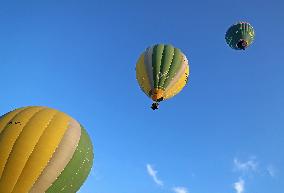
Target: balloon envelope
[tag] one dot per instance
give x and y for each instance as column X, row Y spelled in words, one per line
column 162, row 71
column 43, row 150
column 240, row 35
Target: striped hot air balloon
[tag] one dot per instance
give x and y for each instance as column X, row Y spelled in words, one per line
column 43, row 150
column 162, row 71
column 240, row 36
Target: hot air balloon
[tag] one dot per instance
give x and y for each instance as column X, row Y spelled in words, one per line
column 240, row 36
column 162, row 71
column 43, row 150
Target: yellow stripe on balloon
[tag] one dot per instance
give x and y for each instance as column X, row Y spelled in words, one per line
column 24, row 147
column 178, row 86
column 60, row 158
column 42, row 152
column 142, row 76
column 10, row 135
column 8, row 117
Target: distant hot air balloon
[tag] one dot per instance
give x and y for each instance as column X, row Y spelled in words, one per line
column 240, row 36
column 43, row 150
column 162, row 71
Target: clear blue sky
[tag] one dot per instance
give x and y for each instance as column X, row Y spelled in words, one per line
column 225, row 127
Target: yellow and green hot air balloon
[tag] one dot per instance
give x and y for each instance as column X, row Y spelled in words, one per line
column 162, row 71
column 43, row 150
column 240, row 35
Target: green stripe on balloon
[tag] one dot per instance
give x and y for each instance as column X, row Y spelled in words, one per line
column 78, row 168
column 166, row 64
column 156, row 62
column 175, row 67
